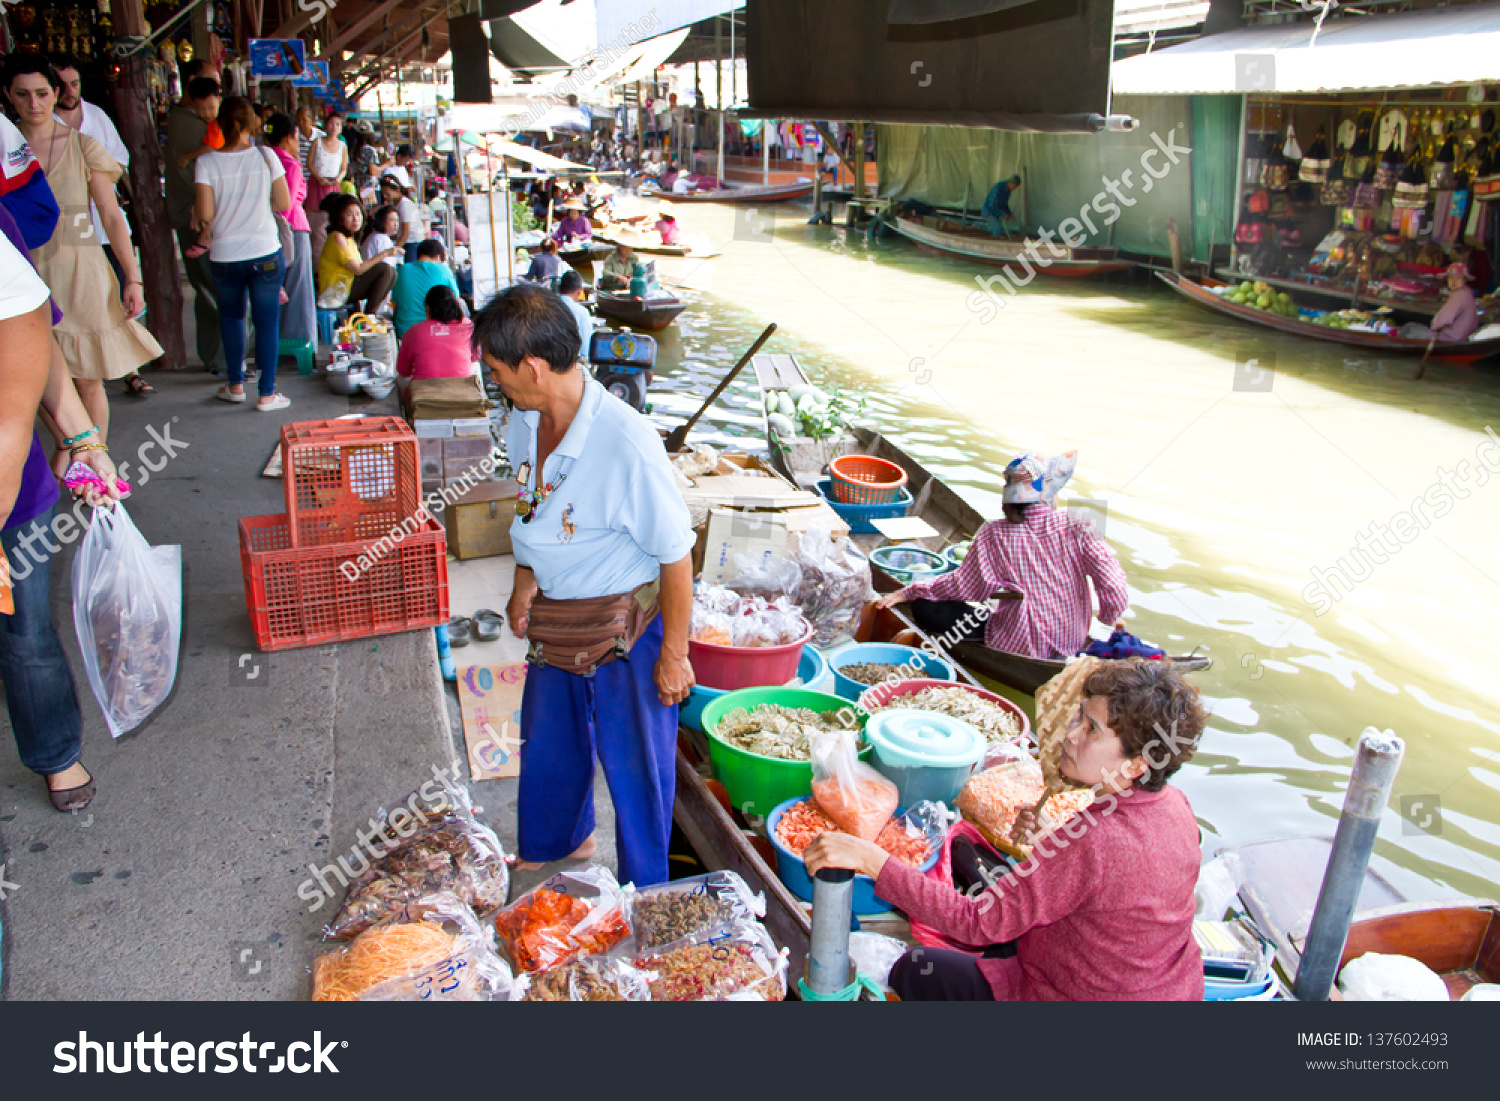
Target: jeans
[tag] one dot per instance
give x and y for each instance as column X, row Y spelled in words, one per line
column 205, row 302
column 298, row 319
column 261, row 280
column 39, row 690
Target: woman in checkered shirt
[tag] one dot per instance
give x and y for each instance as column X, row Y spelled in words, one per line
column 1046, row 556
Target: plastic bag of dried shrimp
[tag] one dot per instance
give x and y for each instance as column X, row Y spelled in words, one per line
column 683, row 908
column 595, row 979
column 426, row 848
column 435, row 952
column 580, row 912
column 852, row 793
column 741, row 962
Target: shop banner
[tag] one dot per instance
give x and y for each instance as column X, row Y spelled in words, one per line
column 277, row 58
column 315, row 76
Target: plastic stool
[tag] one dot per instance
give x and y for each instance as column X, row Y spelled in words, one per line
column 328, row 322
column 303, row 350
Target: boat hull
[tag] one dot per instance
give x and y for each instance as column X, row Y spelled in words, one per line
column 775, row 193
column 652, row 315
column 1202, row 293
column 950, row 239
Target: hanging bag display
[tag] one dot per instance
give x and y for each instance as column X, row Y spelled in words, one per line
column 1487, row 175
column 1388, row 171
column 1336, row 190
column 1290, row 149
column 1315, row 165
column 1258, row 202
column 1366, row 194
column 1440, row 176
column 1276, row 173
column 1360, row 156
column 1411, row 187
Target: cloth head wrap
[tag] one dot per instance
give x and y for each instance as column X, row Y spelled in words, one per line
column 1030, row 478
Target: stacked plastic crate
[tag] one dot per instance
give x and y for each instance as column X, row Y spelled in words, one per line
column 355, row 554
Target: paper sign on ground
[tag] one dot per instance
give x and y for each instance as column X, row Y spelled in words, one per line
column 489, row 698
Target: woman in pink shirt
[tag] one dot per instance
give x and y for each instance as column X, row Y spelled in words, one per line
column 298, row 319
column 1103, row 910
column 441, row 346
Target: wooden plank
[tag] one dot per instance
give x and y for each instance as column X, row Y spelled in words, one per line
column 720, row 844
column 777, row 371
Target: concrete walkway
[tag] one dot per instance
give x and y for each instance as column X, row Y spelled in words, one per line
column 181, row 881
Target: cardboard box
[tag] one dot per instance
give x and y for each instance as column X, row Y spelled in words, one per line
column 489, row 699
column 761, row 534
column 478, row 522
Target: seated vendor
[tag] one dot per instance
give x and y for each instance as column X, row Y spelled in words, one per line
column 440, row 346
column 619, row 266
column 666, row 224
column 574, row 225
column 1046, row 556
column 1458, row 319
column 1103, row 910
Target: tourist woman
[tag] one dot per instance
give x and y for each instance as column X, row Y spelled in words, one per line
column 98, row 337
column 364, row 280
column 1103, row 909
column 298, row 316
column 238, row 188
column 327, row 165
column 1045, row 556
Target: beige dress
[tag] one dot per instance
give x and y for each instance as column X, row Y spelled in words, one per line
column 98, row 341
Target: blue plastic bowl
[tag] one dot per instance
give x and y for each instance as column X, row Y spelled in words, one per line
column 793, row 872
column 887, row 653
column 810, row 671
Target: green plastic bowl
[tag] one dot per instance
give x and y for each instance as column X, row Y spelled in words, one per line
column 757, row 785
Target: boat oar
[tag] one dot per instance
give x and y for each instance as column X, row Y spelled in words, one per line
column 1422, row 367
column 679, row 435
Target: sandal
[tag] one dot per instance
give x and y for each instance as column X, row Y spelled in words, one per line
column 273, row 403
column 487, row 625
column 224, row 393
column 138, row 386
column 68, row 800
column 459, row 628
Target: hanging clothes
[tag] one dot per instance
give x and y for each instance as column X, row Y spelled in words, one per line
column 1392, row 130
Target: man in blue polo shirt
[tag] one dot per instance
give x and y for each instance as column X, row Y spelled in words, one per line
column 599, row 515
column 414, row 280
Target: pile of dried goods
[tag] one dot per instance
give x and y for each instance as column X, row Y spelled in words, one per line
column 992, row 799
column 874, row 672
column 786, row 733
column 580, row 912
column 802, row 822
column 675, row 911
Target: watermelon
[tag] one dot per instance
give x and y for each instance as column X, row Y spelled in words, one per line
column 785, row 405
column 781, row 425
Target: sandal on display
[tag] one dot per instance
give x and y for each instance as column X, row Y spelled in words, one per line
column 487, row 625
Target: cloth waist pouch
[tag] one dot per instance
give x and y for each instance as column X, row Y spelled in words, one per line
column 578, row 636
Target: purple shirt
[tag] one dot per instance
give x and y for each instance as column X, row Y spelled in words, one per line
column 38, row 491
column 1458, row 319
column 574, row 226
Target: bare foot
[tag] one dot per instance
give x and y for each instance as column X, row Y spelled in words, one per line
column 583, row 852
column 74, row 776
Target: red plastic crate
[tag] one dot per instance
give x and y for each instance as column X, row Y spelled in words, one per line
column 299, row 596
column 349, row 481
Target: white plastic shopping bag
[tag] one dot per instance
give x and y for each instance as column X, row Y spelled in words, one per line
column 127, row 610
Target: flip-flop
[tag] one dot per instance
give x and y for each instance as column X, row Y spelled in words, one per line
column 459, row 628
column 487, row 625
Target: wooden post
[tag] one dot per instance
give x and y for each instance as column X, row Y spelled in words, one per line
column 158, row 247
column 859, row 160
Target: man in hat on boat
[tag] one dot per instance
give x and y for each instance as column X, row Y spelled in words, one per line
column 996, row 210
column 1458, row 319
column 619, row 266
column 574, row 225
column 1047, row 557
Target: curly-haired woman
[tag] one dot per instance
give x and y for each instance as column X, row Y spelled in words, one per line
column 1103, row 910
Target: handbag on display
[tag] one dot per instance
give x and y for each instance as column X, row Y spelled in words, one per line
column 1289, row 237
column 1336, row 190
column 1276, row 173
column 1487, row 176
column 1411, row 187
column 1387, row 170
column 1259, row 201
column 1281, row 206
column 1290, row 149
column 1315, row 165
column 1366, row 194
column 1440, row 176
column 1250, row 233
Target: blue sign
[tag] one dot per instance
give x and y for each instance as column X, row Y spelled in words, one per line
column 316, row 76
column 278, row 58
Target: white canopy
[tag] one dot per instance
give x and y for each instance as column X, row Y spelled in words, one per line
column 1421, row 49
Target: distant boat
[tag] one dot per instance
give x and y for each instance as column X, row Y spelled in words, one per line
column 772, row 193
column 977, row 244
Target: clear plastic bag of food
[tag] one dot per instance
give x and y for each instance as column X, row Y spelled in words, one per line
column 835, row 585
column 712, row 627
column 716, row 598
column 579, row 912
column 426, row 848
column 739, row 962
column 704, row 904
column 127, row 611
column 595, row 979
column 436, row 951
column 755, row 628
column 771, row 577
column 858, row 799
column 991, row 800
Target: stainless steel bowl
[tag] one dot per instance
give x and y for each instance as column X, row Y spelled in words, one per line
column 347, row 383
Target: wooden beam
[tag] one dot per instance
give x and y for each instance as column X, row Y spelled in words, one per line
column 393, row 29
column 158, row 249
column 349, row 33
column 297, row 23
column 400, row 50
column 397, row 57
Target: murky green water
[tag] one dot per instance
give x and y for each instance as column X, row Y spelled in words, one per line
column 1220, row 500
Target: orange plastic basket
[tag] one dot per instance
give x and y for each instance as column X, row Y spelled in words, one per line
column 304, row 596
column 348, row 481
column 866, row 480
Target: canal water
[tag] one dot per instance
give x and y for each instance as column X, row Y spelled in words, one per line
column 1229, row 464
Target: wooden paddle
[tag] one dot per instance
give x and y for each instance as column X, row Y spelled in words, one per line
column 1422, row 367
column 679, row 435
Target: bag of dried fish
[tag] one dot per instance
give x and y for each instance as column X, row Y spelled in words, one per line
column 596, row 979
column 742, row 962
column 436, row 952
column 580, row 912
column 786, row 733
column 454, row 853
column 835, row 585
column 687, row 907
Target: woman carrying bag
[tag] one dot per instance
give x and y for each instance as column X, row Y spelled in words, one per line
column 238, row 189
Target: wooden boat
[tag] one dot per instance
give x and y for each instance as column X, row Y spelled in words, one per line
column 651, row 314
column 1201, row 292
column 974, row 243
column 1458, row 938
column 953, row 518
column 699, row 247
column 773, row 193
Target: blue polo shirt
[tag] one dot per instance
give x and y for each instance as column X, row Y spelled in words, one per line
column 615, row 517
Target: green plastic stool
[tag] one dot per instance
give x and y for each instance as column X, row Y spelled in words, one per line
column 303, row 351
